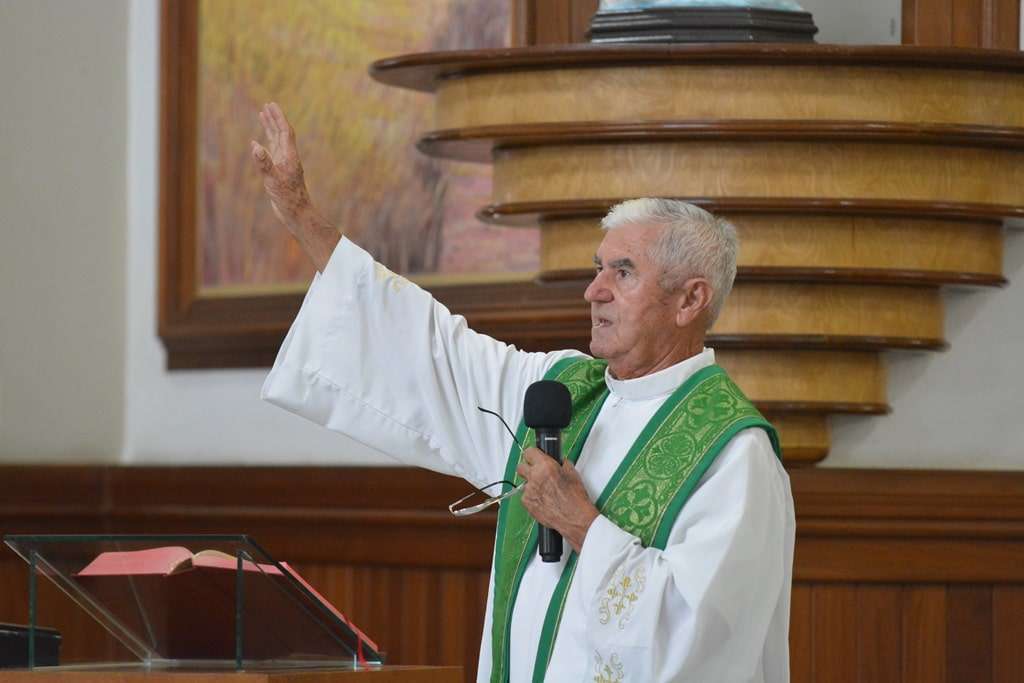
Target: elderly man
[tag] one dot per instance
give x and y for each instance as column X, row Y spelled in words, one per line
column 672, row 495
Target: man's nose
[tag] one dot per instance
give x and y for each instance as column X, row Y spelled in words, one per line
column 596, row 291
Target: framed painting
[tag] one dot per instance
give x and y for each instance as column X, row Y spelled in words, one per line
column 231, row 278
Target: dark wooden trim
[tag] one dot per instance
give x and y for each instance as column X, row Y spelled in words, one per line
column 874, row 276
column 822, row 408
column 852, row 525
column 422, row 71
column 529, row 214
column 822, row 342
column 178, row 46
column 481, row 143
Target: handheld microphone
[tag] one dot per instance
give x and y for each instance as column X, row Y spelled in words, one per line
column 547, row 409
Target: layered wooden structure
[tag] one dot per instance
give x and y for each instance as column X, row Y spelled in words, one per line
column 861, row 180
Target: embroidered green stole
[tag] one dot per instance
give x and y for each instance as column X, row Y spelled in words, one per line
column 643, row 497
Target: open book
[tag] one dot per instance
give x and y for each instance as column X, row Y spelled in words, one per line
column 169, row 560
column 185, row 602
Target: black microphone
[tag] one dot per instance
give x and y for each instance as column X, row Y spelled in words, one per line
column 547, row 409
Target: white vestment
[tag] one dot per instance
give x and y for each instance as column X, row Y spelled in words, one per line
column 375, row 357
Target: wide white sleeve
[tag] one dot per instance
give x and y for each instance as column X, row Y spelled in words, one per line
column 375, row 357
column 704, row 608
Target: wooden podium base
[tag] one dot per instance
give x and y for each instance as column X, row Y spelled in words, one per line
column 385, row 674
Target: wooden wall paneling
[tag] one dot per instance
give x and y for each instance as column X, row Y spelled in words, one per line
column 551, row 22
column 834, row 620
column 969, row 634
column 879, row 636
column 962, row 23
column 966, row 18
column 927, row 22
column 82, row 638
column 456, row 594
column 582, row 12
column 913, row 572
column 1008, row 634
column 923, row 633
column 801, row 634
column 1001, row 24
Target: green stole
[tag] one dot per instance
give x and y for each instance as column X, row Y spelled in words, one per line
column 643, row 497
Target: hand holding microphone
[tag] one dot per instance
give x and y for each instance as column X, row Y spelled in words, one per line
column 554, row 493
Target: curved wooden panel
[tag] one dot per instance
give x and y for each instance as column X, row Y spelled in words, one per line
column 805, row 438
column 814, row 382
column 914, row 314
column 477, row 144
column 424, row 71
column 531, row 213
column 762, row 169
column 816, row 247
column 755, row 91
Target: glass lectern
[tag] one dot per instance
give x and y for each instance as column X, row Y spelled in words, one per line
column 199, row 601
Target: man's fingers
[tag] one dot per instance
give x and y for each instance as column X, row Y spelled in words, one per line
column 270, row 121
column 262, row 157
column 522, row 470
column 280, row 120
column 533, row 455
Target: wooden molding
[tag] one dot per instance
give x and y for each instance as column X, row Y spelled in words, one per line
column 533, row 212
column 338, row 515
column 424, row 71
column 478, row 144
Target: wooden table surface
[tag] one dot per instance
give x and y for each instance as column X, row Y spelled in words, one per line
column 385, row 674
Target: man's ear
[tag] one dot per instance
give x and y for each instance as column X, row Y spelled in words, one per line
column 693, row 300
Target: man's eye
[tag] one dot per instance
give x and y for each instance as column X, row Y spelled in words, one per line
column 622, row 273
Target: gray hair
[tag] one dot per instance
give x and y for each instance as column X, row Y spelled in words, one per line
column 693, row 243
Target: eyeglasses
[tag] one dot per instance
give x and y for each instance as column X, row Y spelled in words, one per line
column 491, row 494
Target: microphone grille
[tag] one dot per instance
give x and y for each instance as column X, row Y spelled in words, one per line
column 547, row 405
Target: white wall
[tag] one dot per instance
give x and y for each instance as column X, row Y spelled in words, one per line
column 865, row 22
column 953, row 409
column 960, row 408
column 62, row 227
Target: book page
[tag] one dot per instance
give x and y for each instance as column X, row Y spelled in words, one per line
column 160, row 561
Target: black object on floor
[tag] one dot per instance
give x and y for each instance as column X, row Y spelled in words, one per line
column 14, row 647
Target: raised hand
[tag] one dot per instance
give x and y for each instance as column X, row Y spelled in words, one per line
column 285, row 184
column 283, row 177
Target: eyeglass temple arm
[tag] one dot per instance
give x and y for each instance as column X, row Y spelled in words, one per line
column 507, row 428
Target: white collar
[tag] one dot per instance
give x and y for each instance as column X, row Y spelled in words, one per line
column 662, row 382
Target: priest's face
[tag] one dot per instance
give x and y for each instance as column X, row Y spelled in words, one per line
column 636, row 324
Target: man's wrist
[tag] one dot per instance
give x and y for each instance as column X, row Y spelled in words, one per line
column 577, row 534
column 317, row 235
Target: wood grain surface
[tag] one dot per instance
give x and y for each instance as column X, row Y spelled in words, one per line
column 756, row 91
column 761, row 169
column 905, row 575
column 781, row 241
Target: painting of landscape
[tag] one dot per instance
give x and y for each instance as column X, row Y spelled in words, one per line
column 356, row 138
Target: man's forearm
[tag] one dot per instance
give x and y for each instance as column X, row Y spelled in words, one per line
column 316, row 235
